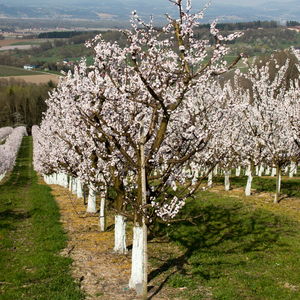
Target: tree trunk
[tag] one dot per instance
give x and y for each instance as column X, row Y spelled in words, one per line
column 70, row 183
column 261, row 169
column 238, row 171
column 79, row 189
column 74, row 185
column 2, row 175
column 286, row 169
column 120, row 234
column 209, row 183
column 103, row 224
column 216, row 170
column 227, row 183
column 62, row 179
column 137, row 257
column 278, row 184
column 250, row 179
column 292, row 168
column 91, row 208
column 144, row 202
column 273, row 172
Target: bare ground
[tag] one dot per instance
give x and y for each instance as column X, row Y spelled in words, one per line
column 8, row 42
column 43, row 78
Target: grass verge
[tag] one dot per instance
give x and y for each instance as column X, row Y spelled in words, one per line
column 31, row 238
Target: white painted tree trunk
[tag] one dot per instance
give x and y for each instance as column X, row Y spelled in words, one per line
column 261, row 169
column 120, row 234
column 63, row 180
column 137, row 257
column 250, row 179
column 103, row 215
column 2, row 175
column 59, row 178
column 249, row 184
column 267, row 171
column 66, row 180
column 238, row 171
column 91, row 207
column 216, row 170
column 286, row 169
column 49, row 179
column 70, row 183
column 209, row 182
column 247, row 170
column 278, row 185
column 273, row 172
column 292, row 168
column 79, row 189
column 74, row 185
column 227, row 183
column 52, row 178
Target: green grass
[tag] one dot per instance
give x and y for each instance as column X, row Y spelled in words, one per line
column 6, row 71
column 31, row 238
column 235, row 251
column 33, row 42
column 289, row 187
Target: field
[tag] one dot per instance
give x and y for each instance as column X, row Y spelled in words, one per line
column 35, row 78
column 8, row 42
column 26, row 75
column 12, row 71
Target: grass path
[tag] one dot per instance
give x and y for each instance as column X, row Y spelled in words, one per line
column 31, row 238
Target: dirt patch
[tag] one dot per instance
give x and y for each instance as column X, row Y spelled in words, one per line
column 36, row 78
column 8, row 42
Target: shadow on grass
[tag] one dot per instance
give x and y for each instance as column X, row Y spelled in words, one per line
column 228, row 229
column 11, row 216
column 262, row 184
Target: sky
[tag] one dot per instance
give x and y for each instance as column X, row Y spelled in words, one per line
column 235, row 2
column 248, row 3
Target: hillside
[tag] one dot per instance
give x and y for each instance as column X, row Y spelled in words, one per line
column 117, row 10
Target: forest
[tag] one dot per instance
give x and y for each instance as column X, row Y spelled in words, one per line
column 22, row 103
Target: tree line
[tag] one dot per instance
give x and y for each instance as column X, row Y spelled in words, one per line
column 22, row 103
column 64, row 34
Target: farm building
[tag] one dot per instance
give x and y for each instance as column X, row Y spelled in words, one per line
column 29, row 67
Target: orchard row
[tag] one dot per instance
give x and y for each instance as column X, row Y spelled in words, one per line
column 12, row 139
column 144, row 115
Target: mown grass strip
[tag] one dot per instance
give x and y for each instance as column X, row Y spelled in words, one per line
column 31, row 238
column 236, row 251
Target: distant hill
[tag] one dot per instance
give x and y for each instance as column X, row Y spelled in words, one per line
column 121, row 10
